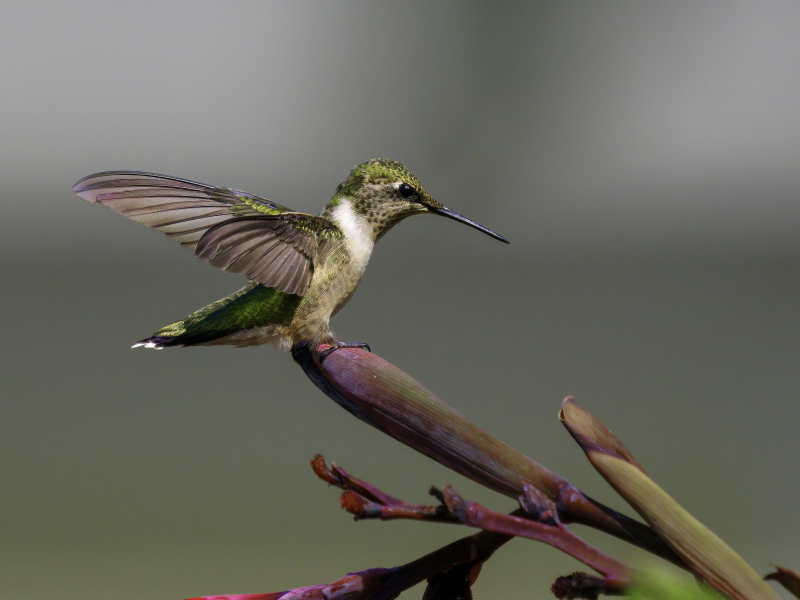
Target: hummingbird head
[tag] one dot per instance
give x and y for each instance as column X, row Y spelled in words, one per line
column 384, row 193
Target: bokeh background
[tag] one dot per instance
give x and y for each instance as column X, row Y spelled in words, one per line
column 641, row 157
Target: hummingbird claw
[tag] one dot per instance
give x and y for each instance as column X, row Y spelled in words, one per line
column 325, row 353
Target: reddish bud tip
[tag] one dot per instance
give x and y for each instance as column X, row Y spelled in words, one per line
column 322, row 471
column 353, row 503
column 561, row 588
column 578, row 585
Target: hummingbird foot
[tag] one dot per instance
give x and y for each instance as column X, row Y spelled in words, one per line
column 325, row 353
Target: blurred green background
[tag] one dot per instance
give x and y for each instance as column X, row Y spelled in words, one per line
column 641, row 157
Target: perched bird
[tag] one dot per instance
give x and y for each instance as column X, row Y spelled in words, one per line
column 302, row 269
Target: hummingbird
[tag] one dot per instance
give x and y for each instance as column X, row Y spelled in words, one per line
column 303, row 269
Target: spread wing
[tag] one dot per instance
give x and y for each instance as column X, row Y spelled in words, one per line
column 239, row 232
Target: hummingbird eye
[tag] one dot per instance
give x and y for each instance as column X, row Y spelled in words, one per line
column 406, row 191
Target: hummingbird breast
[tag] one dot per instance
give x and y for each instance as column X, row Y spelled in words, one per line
column 338, row 271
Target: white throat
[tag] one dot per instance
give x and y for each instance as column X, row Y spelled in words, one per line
column 357, row 232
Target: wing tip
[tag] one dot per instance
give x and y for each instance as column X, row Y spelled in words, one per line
column 81, row 191
column 83, row 187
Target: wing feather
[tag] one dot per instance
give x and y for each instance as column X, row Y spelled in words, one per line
column 269, row 265
column 243, row 263
column 235, row 252
column 296, row 272
column 183, row 224
column 233, row 230
column 161, row 214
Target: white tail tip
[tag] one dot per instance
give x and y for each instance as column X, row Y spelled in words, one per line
column 152, row 345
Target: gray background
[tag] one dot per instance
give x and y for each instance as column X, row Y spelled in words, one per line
column 641, row 157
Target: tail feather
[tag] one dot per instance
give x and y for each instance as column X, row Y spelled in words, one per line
column 159, row 342
column 249, row 317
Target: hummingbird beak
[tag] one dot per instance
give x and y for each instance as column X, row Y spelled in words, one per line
column 451, row 214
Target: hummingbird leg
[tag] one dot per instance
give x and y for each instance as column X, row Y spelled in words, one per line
column 325, row 353
column 298, row 350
